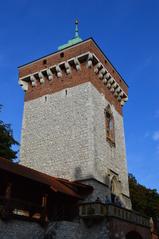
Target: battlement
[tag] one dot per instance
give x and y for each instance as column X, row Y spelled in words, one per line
column 72, row 123
column 72, row 66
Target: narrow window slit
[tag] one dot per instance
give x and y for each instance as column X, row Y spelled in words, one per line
column 109, row 123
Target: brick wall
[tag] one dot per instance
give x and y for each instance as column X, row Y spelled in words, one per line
column 68, row 53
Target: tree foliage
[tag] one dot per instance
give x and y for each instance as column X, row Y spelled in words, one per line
column 7, row 141
column 144, row 200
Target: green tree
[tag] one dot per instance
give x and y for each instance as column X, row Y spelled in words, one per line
column 7, row 141
column 144, row 200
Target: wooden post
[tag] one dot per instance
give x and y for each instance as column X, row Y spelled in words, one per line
column 44, row 217
column 8, row 191
column 7, row 204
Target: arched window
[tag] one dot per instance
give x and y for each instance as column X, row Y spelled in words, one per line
column 115, row 191
column 114, row 186
column 109, row 122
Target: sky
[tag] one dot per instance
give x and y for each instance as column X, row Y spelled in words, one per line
column 126, row 30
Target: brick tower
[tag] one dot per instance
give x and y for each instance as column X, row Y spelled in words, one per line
column 73, row 123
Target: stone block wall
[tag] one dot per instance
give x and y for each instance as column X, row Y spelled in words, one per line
column 56, row 134
column 16, row 229
column 111, row 228
column 64, row 135
column 101, row 191
column 107, row 157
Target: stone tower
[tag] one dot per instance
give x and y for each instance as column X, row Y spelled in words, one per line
column 73, row 123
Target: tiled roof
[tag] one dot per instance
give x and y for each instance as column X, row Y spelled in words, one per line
column 73, row 189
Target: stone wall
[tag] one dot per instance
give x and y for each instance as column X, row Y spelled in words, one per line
column 107, row 157
column 111, row 228
column 78, row 230
column 16, row 229
column 55, row 134
column 101, row 191
column 64, row 135
column 63, row 230
column 119, row 229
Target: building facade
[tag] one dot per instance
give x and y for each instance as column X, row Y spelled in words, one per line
column 73, row 122
column 73, row 130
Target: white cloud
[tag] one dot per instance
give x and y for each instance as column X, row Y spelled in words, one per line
column 155, row 136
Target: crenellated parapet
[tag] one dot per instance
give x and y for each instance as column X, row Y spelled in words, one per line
column 87, row 60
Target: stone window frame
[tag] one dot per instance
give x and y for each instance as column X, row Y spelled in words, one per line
column 109, row 126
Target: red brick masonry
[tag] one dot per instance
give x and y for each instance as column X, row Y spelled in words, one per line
column 76, row 77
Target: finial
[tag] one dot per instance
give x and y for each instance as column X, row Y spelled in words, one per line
column 76, row 28
column 76, row 39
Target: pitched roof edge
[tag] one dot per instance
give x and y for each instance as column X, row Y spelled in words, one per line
column 56, row 52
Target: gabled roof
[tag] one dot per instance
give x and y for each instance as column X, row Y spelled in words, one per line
column 72, row 189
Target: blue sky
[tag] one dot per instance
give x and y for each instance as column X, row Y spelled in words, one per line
column 128, row 33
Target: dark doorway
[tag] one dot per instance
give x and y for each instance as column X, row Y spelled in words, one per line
column 133, row 235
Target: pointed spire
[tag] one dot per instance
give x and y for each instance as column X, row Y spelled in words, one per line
column 76, row 39
column 76, row 29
